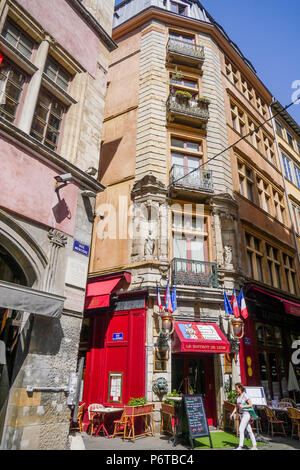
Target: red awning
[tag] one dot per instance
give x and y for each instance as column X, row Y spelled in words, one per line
column 199, row 337
column 292, row 308
column 98, row 291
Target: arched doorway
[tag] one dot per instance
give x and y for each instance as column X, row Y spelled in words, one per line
column 10, row 326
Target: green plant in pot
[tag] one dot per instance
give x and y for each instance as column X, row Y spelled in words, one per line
column 168, row 400
column 232, row 396
column 137, row 401
column 183, row 94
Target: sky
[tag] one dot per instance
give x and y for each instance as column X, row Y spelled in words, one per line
column 267, row 32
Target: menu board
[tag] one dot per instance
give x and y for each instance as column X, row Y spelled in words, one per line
column 196, row 418
column 256, row 395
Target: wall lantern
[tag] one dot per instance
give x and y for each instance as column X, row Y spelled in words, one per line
column 166, row 324
column 237, row 328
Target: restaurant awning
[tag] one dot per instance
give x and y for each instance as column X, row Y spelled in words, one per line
column 199, row 338
column 25, row 299
column 291, row 308
column 98, row 290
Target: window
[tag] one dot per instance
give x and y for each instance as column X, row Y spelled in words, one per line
column 47, row 120
column 279, row 207
column 273, row 261
column 238, row 119
column 190, row 240
column 279, row 128
column 247, row 90
column 178, row 82
column 298, row 147
column 290, row 139
column 261, row 106
column 290, row 273
column 269, row 150
column 11, row 85
column 254, row 137
column 16, row 36
column 287, row 167
column 231, row 72
column 264, row 195
column 58, row 74
column 297, row 174
column 246, row 181
column 254, row 257
column 182, row 37
column 178, row 8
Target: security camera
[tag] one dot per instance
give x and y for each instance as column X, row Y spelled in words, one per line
column 91, row 171
column 88, row 194
column 63, row 178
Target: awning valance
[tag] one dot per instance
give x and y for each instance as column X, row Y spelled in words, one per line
column 98, row 291
column 291, row 308
column 199, row 337
column 25, row 299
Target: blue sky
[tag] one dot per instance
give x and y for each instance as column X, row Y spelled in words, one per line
column 267, row 32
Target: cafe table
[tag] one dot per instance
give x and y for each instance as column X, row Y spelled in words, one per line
column 103, row 412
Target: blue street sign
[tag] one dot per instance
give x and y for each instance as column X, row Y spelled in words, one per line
column 117, row 336
column 81, row 248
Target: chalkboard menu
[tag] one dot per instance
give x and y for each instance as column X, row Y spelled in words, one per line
column 196, row 422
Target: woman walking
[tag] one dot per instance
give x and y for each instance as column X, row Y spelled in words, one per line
column 244, row 407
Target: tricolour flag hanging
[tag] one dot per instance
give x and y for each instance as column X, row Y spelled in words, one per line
column 234, row 303
column 242, row 305
column 227, row 306
column 159, row 299
column 168, row 303
column 174, row 299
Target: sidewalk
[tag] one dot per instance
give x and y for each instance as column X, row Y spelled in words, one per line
column 161, row 443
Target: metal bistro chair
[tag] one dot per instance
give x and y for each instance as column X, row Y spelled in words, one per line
column 294, row 415
column 94, row 415
column 272, row 419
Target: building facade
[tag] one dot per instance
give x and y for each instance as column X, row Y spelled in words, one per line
column 195, row 199
column 52, row 92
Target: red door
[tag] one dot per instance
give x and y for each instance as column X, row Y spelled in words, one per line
column 194, row 375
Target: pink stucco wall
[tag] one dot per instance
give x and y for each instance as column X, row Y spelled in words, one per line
column 28, row 189
column 61, row 21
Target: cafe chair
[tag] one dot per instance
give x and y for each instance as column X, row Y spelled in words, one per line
column 290, row 401
column 119, row 425
column 272, row 420
column 284, row 404
column 94, row 416
column 79, row 424
column 294, row 415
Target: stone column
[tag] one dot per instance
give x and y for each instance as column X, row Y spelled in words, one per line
column 34, row 86
column 57, row 240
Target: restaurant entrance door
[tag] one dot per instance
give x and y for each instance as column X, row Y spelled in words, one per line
column 193, row 374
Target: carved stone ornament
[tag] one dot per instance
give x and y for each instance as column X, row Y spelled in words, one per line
column 227, row 255
column 160, row 386
column 57, row 238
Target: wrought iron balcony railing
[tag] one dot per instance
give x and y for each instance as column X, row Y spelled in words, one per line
column 194, row 273
column 189, row 107
column 191, row 178
column 186, row 48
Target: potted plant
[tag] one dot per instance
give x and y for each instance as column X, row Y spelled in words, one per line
column 139, row 406
column 168, row 404
column 183, row 96
column 204, row 99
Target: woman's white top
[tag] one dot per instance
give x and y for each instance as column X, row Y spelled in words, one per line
column 241, row 400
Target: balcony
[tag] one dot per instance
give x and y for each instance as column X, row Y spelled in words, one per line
column 185, row 53
column 199, row 181
column 194, row 273
column 182, row 109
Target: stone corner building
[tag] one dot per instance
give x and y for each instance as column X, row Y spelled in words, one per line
column 179, row 93
column 53, row 73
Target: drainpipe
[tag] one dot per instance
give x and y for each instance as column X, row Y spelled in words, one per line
column 284, row 184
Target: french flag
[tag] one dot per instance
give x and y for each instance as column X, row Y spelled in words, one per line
column 168, row 301
column 159, row 299
column 242, row 304
column 234, row 303
column 1, row 58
